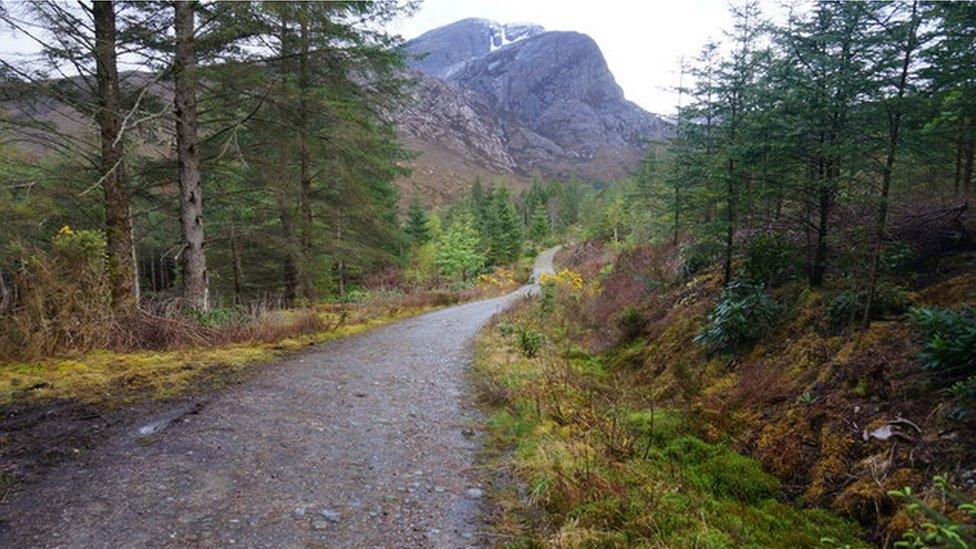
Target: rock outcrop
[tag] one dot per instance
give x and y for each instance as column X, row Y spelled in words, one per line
column 518, row 100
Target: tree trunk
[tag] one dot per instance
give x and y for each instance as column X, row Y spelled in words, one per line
column 957, row 176
column 191, row 190
column 967, row 174
column 5, row 299
column 289, row 264
column 677, row 214
column 235, row 250
column 894, row 127
column 825, row 204
column 305, row 194
column 118, row 214
column 730, row 225
column 152, row 273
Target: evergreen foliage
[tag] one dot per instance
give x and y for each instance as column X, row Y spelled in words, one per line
column 744, row 313
column 949, row 339
column 458, row 255
column 417, row 230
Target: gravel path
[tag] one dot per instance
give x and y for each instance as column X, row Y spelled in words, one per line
column 361, row 442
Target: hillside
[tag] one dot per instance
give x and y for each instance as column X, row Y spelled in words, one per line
column 606, row 399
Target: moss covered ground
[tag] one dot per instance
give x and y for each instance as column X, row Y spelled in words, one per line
column 112, row 378
column 594, row 464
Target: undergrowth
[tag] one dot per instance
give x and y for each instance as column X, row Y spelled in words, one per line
column 601, row 466
column 840, row 414
column 112, row 378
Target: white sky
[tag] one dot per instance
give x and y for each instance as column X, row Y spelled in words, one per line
column 642, row 40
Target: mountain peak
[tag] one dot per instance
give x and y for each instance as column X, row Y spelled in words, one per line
column 443, row 50
column 517, row 99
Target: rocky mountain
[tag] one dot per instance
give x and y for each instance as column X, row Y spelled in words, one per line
column 441, row 51
column 516, row 100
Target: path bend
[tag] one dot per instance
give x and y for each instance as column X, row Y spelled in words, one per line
column 361, row 442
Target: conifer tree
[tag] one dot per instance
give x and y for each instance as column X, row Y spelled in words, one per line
column 503, row 228
column 539, row 224
column 458, row 256
column 417, row 230
column 950, row 68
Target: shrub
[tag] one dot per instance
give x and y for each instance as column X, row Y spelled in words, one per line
column 948, row 340
column 697, row 256
column 935, row 528
column 770, row 260
column 64, row 300
column 221, row 316
column 529, row 341
column 631, row 323
column 547, row 298
column 965, row 389
column 744, row 314
column 847, row 307
column 506, row 328
column 889, row 299
column 897, row 258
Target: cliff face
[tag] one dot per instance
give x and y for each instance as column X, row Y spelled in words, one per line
column 520, row 101
column 441, row 51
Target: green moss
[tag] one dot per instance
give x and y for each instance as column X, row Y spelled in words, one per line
column 113, row 378
column 733, row 475
column 605, row 474
column 656, row 427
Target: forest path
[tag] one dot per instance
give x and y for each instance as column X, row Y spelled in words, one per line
column 361, row 442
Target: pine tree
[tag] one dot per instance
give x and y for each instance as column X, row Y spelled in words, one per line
column 458, row 256
column 417, row 230
column 325, row 154
column 950, row 69
column 85, row 39
column 539, row 224
column 897, row 41
column 501, row 228
column 191, row 191
column 736, row 95
column 118, row 210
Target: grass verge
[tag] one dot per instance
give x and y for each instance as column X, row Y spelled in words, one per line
column 109, row 378
column 595, row 465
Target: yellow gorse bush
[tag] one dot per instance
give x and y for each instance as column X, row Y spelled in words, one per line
column 502, row 277
column 566, row 278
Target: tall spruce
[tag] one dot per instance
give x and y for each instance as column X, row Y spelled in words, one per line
column 896, row 39
column 417, row 230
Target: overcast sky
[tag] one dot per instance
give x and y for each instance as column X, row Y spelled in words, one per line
column 642, row 40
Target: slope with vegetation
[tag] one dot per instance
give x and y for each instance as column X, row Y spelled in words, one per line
column 766, row 335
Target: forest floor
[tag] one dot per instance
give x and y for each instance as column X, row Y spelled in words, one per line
column 364, row 441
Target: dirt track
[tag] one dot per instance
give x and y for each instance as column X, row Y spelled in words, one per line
column 365, row 441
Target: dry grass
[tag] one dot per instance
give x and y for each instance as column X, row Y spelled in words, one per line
column 64, row 346
column 111, row 377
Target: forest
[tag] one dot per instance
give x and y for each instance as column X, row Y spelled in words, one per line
column 764, row 336
column 243, row 162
